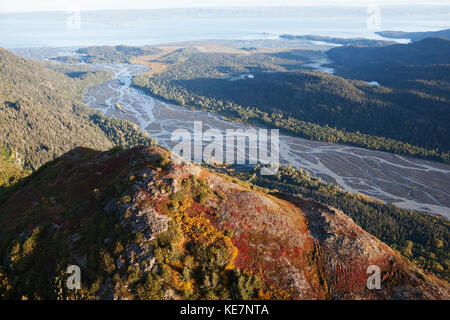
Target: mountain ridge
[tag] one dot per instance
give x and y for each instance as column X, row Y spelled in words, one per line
column 157, row 226
column 415, row 36
column 425, row 51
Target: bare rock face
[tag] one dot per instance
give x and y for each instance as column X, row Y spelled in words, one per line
column 145, row 221
column 348, row 252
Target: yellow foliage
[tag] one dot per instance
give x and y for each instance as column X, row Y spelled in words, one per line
column 188, row 285
column 273, row 293
column 177, row 282
column 200, row 229
column 4, row 284
column 234, row 252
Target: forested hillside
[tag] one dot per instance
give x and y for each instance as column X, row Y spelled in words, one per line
column 429, row 51
column 420, row 72
column 312, row 104
column 82, row 74
column 11, row 168
column 415, row 36
column 42, row 116
column 107, row 54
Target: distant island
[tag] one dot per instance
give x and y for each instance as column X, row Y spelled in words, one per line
column 342, row 41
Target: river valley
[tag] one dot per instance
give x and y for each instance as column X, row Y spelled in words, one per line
column 407, row 182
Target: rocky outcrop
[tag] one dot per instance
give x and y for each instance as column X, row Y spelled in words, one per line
column 296, row 247
column 291, row 242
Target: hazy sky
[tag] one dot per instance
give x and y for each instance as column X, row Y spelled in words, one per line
column 37, row 5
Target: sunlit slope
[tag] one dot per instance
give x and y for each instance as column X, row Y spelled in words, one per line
column 41, row 115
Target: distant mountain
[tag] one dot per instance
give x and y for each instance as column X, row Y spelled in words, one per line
column 158, row 227
column 414, row 36
column 429, row 51
column 42, row 116
column 344, row 41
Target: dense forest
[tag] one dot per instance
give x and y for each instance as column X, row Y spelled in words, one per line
column 11, row 168
column 106, row 54
column 419, row 72
column 42, row 116
column 420, row 237
column 429, row 51
column 312, row 104
column 83, row 75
